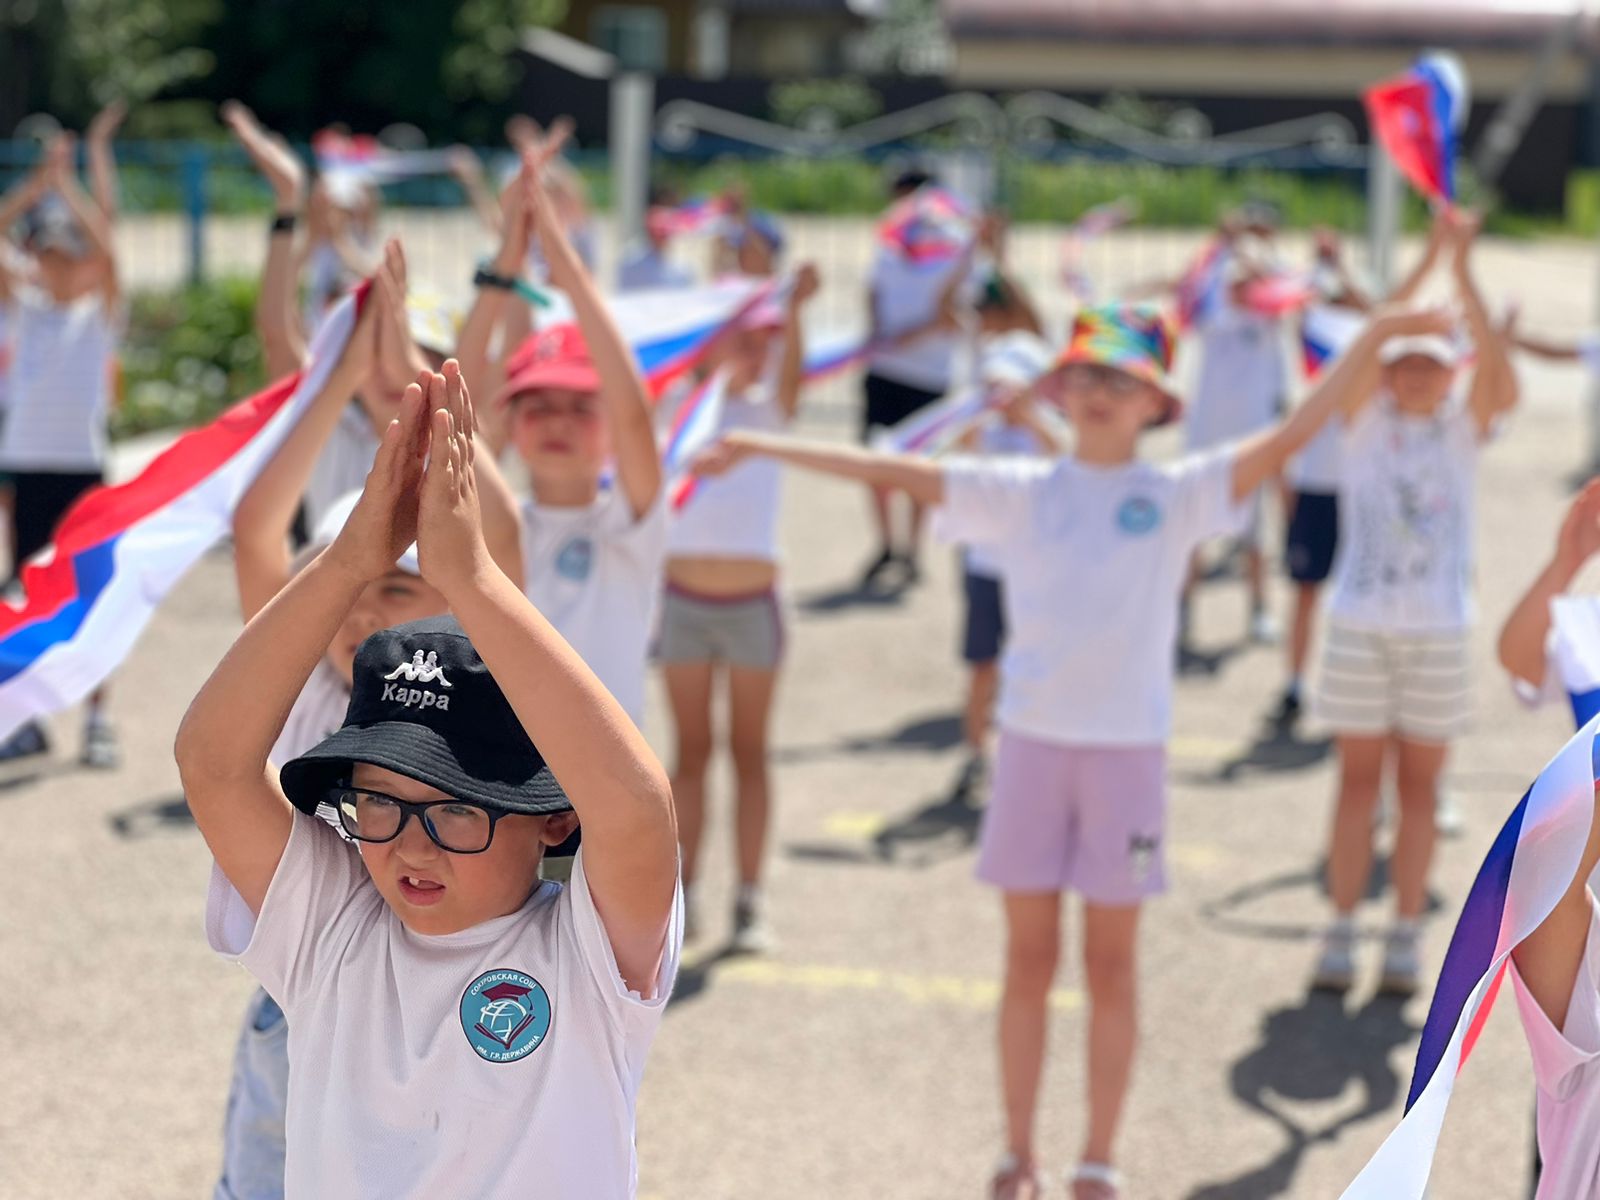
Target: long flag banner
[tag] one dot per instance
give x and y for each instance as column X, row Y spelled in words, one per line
column 1199, row 291
column 932, row 428
column 692, row 216
column 1325, row 332
column 1528, row 869
column 1093, row 224
column 347, row 161
column 695, row 425
column 929, row 227
column 1417, row 116
column 119, row 550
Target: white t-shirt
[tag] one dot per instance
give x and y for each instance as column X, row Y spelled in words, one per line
column 905, row 296
column 343, row 465
column 645, row 267
column 1566, row 1065
column 501, row 1061
column 996, row 439
column 1316, row 468
column 595, row 573
column 318, row 714
column 1243, row 379
column 1406, row 503
column 735, row 515
column 60, row 383
column 1096, row 558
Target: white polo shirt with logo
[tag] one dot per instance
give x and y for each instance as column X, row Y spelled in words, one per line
column 1095, row 561
column 502, row 1061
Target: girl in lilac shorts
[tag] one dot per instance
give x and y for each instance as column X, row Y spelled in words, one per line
column 1097, row 546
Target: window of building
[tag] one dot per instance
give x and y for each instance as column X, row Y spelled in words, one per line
column 635, row 34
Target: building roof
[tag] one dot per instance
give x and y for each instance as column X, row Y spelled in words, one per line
column 1506, row 23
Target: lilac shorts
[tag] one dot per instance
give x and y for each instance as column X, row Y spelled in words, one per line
column 1088, row 819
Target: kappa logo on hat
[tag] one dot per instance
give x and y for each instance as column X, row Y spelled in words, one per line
column 505, row 1015
column 422, row 668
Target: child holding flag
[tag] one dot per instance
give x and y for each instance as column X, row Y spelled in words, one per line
column 493, row 734
column 1097, row 546
column 721, row 614
column 1394, row 681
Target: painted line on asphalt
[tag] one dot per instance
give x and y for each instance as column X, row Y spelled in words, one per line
column 950, row 990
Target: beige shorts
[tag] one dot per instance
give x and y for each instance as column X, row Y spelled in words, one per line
column 1415, row 685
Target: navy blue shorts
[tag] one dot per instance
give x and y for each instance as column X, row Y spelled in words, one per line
column 1313, row 537
column 986, row 622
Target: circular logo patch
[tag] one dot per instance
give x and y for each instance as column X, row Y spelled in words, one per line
column 505, row 1015
column 575, row 559
column 1138, row 515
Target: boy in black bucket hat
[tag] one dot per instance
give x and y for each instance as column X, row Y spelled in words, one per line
column 460, row 1027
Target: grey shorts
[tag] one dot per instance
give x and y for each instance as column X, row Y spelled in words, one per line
column 742, row 631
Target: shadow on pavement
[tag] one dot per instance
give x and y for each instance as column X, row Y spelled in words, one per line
column 920, row 734
column 1313, row 1053
column 150, row 818
column 1275, row 748
column 1206, row 662
column 854, row 596
column 938, row 831
column 1225, row 913
column 694, row 978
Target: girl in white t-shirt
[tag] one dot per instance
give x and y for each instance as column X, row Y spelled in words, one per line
column 66, row 318
column 488, row 730
column 1394, row 685
column 1097, row 546
column 253, row 1129
column 721, row 614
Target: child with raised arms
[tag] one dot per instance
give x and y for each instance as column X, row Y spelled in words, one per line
column 464, row 1028
column 1097, row 545
column 722, row 619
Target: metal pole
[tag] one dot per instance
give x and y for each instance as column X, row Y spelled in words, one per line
column 194, row 203
column 633, row 102
column 1383, row 216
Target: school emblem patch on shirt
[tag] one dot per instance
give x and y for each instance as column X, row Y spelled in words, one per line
column 575, row 559
column 1138, row 515
column 505, row 1015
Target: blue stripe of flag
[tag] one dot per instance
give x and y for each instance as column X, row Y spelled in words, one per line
column 92, row 569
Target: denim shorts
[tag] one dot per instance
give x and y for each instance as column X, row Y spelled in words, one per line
column 253, row 1129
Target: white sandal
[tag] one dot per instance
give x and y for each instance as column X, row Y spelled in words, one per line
column 1008, row 1174
column 1108, row 1180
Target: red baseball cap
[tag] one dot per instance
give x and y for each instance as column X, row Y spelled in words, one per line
column 556, row 357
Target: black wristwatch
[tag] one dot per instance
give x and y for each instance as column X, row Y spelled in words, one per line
column 484, row 277
column 284, row 223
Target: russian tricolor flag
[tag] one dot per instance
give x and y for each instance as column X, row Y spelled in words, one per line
column 930, row 227
column 1199, row 291
column 1528, row 869
column 697, row 424
column 671, row 329
column 1325, row 333
column 1417, row 117
column 119, row 550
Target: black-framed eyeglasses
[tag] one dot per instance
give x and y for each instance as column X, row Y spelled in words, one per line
column 377, row 817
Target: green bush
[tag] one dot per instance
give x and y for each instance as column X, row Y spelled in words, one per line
column 189, row 353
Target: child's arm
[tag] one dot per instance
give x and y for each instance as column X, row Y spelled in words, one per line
column 283, row 342
column 17, row 200
column 1523, row 637
column 468, row 171
column 792, row 367
column 95, row 225
column 622, row 390
column 1494, row 380
column 484, row 373
column 620, row 792
column 102, row 162
column 1438, row 234
column 1341, row 390
column 262, row 563
column 919, row 478
column 1549, row 958
column 228, row 732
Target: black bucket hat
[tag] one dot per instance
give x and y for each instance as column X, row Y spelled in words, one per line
column 423, row 704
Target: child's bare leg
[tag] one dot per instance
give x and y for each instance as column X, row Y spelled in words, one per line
column 1350, row 845
column 689, row 692
column 983, row 683
column 1417, row 779
column 1110, row 972
column 750, row 694
column 1301, row 627
column 1033, row 949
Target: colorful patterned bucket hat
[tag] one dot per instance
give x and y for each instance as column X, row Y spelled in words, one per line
column 1135, row 338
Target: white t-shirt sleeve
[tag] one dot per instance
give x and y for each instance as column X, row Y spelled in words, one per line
column 988, row 500
column 1538, row 695
column 297, row 933
column 1564, row 1059
column 1203, row 506
column 594, row 945
column 643, row 538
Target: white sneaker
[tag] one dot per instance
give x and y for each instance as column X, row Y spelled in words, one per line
column 1336, row 967
column 1402, row 963
column 1448, row 818
column 1264, row 630
column 750, row 933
